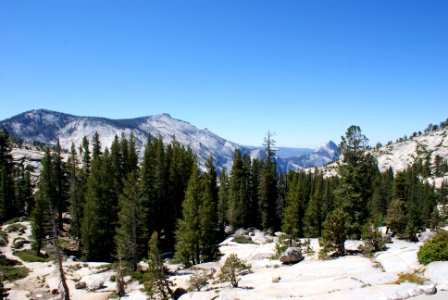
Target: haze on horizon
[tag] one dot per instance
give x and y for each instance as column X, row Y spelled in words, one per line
column 304, row 70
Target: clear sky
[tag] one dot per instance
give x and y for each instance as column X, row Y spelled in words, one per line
column 303, row 69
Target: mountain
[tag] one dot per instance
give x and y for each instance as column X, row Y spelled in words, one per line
column 404, row 153
column 426, row 146
column 47, row 126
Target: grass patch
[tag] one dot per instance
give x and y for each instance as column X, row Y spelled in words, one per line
column 241, row 239
column 12, row 269
column 30, row 256
column 408, row 277
column 14, row 273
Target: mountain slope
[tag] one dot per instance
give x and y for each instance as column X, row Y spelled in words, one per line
column 400, row 155
column 47, row 126
column 403, row 154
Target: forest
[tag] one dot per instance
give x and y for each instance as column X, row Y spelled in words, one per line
column 111, row 204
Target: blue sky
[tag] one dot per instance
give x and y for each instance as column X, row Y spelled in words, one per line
column 305, row 70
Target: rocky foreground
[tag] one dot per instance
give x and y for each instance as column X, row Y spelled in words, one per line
column 350, row 277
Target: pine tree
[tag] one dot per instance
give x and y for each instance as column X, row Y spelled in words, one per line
column 60, row 204
column 382, row 195
column 333, row 234
column 75, row 193
column 357, row 172
column 396, row 213
column 46, row 195
column 253, row 218
column 131, row 234
column 222, row 200
column 196, row 234
column 100, row 210
column 156, row 282
column 189, row 227
column 292, row 214
column 267, row 190
column 6, row 182
column 236, row 211
column 207, row 214
column 313, row 214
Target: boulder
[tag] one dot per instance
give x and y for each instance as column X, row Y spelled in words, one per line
column 95, row 281
column 425, row 236
column 178, row 293
column 241, row 231
column 429, row 289
column 292, row 255
column 437, row 272
column 80, row 285
column 387, row 239
column 229, row 229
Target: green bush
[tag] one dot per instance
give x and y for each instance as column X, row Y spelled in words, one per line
column 436, row 249
column 231, row 270
column 241, row 239
column 15, row 228
column 19, row 242
column 3, row 238
column 197, row 281
column 30, row 256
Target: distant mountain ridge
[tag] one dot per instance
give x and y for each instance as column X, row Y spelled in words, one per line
column 47, row 126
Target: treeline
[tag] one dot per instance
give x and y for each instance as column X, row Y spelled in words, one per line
column 116, row 203
column 16, row 191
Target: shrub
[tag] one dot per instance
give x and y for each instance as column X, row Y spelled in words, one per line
column 436, row 249
column 197, row 281
column 19, row 242
column 372, row 238
column 231, row 270
column 3, row 238
column 333, row 234
column 241, row 239
column 15, row 228
column 282, row 244
column 413, row 278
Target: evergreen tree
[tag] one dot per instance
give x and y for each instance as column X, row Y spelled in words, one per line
column 6, row 181
column 313, row 214
column 292, row 214
column 267, row 190
column 207, row 215
column 382, row 195
column 396, row 213
column 156, row 282
column 131, row 234
column 253, row 217
column 60, row 203
column 46, row 195
column 75, row 193
column 237, row 209
column 196, row 237
column 222, row 199
column 100, row 209
column 189, row 228
column 357, row 172
column 334, row 233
